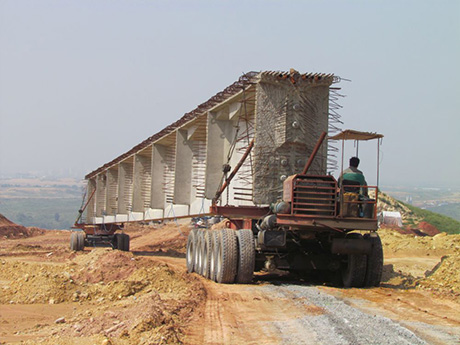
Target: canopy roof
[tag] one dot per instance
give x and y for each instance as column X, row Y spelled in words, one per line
column 350, row 134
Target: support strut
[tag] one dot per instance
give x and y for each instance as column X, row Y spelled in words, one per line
column 233, row 173
column 313, row 154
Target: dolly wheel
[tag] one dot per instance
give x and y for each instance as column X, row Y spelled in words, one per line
column 77, row 241
column 81, row 240
column 125, row 242
column 121, row 242
column 73, row 241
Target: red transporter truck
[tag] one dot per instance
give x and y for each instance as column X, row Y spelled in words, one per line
column 317, row 226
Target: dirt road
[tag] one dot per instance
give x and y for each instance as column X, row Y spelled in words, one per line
column 51, row 295
column 287, row 312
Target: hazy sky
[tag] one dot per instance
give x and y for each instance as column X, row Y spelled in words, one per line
column 82, row 82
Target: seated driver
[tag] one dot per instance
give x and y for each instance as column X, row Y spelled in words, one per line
column 352, row 173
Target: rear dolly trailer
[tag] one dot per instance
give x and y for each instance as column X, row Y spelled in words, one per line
column 318, row 225
column 99, row 236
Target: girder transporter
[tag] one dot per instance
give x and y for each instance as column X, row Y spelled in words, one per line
column 246, row 142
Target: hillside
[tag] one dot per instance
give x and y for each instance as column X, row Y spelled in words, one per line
column 450, row 210
column 45, row 213
column 413, row 216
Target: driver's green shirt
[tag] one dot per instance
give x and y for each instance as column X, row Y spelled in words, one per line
column 354, row 174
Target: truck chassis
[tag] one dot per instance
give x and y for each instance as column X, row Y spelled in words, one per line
column 307, row 231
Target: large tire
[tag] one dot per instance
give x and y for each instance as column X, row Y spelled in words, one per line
column 227, row 257
column 246, row 256
column 354, row 271
column 77, row 241
column 121, row 242
column 198, row 259
column 125, row 242
column 73, row 241
column 374, row 261
column 191, row 248
column 206, row 248
column 215, row 243
column 117, row 241
column 80, row 241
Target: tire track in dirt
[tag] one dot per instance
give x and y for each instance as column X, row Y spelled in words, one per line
column 236, row 314
column 301, row 314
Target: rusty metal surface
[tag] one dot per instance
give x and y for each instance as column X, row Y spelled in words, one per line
column 311, row 195
column 244, row 82
column 253, row 212
column 313, row 154
column 319, row 223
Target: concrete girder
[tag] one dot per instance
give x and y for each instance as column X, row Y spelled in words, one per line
column 178, row 171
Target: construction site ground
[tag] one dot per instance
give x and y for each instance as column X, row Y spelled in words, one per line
column 51, row 295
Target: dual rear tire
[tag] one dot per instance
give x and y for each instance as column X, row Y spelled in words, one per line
column 77, row 240
column 224, row 256
column 121, row 242
column 364, row 270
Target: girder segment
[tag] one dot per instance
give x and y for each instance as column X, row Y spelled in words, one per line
column 142, row 180
column 177, row 171
column 101, row 185
column 91, row 208
column 112, row 192
column 125, row 186
column 183, row 173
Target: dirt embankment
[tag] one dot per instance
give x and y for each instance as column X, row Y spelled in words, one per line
column 97, row 296
column 8, row 229
column 426, row 262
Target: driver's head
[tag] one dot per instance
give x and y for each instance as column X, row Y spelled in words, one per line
column 354, row 162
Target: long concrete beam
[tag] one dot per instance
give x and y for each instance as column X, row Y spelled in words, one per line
column 177, row 171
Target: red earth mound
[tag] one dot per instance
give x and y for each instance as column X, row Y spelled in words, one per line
column 8, row 229
column 428, row 229
column 423, row 229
